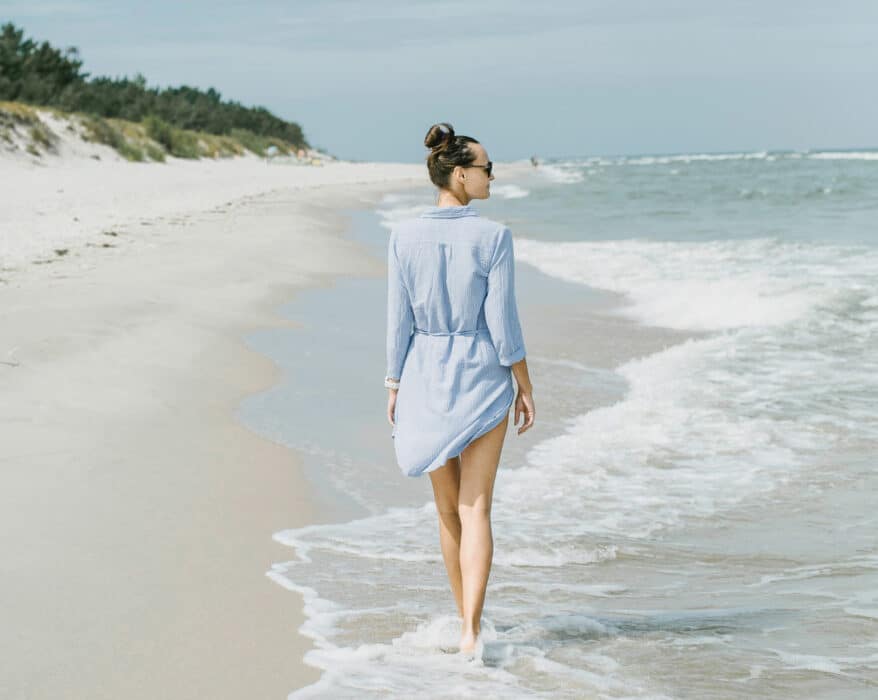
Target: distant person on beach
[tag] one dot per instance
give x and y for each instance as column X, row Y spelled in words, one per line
column 534, row 161
column 454, row 342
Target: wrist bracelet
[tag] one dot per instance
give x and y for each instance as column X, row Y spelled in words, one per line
column 390, row 384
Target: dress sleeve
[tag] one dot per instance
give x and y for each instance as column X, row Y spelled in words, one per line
column 501, row 311
column 400, row 318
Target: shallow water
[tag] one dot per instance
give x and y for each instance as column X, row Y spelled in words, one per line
column 694, row 519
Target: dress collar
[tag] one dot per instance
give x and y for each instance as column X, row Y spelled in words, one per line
column 449, row 212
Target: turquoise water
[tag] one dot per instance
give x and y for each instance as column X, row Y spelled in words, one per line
column 709, row 530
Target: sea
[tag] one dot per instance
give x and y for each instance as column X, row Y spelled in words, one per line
column 696, row 514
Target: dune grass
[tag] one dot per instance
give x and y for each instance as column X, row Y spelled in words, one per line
column 152, row 139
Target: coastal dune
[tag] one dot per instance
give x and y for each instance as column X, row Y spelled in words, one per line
column 136, row 512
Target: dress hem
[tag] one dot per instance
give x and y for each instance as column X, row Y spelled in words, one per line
column 445, row 456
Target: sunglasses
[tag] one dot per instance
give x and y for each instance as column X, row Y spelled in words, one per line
column 487, row 167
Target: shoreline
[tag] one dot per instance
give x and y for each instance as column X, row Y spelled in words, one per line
column 138, row 534
column 554, row 313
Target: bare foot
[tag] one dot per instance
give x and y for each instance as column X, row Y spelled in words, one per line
column 468, row 642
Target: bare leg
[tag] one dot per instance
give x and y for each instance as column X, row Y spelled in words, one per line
column 478, row 470
column 446, row 484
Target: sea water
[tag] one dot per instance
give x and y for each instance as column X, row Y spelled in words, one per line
column 706, row 530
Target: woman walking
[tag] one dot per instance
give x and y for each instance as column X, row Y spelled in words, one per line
column 453, row 343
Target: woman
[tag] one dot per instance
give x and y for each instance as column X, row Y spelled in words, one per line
column 453, row 343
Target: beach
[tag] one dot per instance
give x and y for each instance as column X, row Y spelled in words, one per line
column 137, row 512
column 200, row 496
column 200, row 493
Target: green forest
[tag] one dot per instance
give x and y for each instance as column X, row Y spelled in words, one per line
column 42, row 75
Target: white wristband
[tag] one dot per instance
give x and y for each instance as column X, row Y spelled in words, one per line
column 390, row 384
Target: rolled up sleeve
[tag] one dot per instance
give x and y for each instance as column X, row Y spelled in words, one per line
column 400, row 319
column 501, row 310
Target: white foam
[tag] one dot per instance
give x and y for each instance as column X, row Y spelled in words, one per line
column 712, row 285
column 561, row 174
column 651, row 461
column 871, row 614
column 713, row 421
column 553, row 556
column 509, row 191
column 570, row 170
column 808, row 662
column 844, row 155
column 823, row 569
column 395, row 207
column 691, row 158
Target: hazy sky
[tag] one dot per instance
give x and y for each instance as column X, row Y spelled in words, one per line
column 366, row 79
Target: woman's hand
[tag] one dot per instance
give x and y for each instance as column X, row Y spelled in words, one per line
column 391, row 405
column 524, row 407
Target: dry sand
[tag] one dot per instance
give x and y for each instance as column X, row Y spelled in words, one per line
column 136, row 513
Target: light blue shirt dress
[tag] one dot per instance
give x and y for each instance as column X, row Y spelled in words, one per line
column 452, row 332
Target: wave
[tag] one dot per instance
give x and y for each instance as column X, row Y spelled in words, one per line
column 560, row 174
column 843, row 155
column 691, row 158
column 706, row 286
column 564, row 168
column 509, row 191
column 395, row 207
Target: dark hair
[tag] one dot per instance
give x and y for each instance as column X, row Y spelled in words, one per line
column 447, row 151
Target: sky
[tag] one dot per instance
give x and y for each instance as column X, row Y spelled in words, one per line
column 365, row 80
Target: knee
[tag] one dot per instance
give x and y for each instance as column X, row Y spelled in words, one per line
column 448, row 512
column 474, row 514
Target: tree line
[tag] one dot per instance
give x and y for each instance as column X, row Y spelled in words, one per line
column 40, row 74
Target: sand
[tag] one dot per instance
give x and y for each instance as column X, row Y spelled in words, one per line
column 65, row 202
column 137, row 514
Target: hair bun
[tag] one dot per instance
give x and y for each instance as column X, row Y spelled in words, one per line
column 439, row 136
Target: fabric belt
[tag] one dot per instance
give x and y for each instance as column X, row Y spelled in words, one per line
column 472, row 332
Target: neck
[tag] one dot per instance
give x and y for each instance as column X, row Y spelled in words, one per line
column 448, row 199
